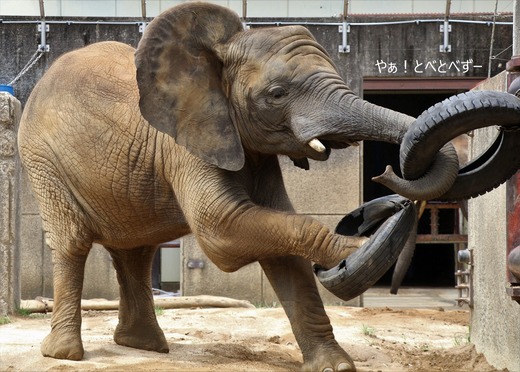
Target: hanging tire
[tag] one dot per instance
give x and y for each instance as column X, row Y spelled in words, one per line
column 458, row 115
column 499, row 163
column 388, row 221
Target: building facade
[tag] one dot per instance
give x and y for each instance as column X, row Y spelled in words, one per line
column 405, row 58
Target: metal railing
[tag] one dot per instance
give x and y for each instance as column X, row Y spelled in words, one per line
column 288, row 8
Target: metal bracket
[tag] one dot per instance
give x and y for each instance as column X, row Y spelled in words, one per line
column 514, row 293
column 464, row 278
column 43, row 28
column 344, row 29
column 445, row 29
column 194, row 263
column 513, row 265
column 142, row 27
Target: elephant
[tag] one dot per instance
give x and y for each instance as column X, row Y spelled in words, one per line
column 130, row 148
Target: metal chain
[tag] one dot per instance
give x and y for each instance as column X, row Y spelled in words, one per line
column 32, row 61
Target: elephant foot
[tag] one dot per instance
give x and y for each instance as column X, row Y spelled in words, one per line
column 329, row 359
column 140, row 337
column 63, row 345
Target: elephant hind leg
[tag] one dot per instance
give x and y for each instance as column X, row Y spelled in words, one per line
column 64, row 341
column 138, row 327
column 69, row 235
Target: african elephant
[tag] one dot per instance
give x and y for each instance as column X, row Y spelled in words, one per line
column 131, row 151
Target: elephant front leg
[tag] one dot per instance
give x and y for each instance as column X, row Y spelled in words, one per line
column 253, row 233
column 138, row 327
column 64, row 341
column 293, row 281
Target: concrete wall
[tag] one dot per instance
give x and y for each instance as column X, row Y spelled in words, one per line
column 495, row 320
column 408, row 50
column 10, row 110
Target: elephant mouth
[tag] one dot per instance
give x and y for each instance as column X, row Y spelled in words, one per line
column 318, row 144
column 322, row 146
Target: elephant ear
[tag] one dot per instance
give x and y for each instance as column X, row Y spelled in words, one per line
column 179, row 78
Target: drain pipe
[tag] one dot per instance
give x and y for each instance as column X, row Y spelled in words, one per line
column 244, row 14
column 446, row 29
column 143, row 24
column 43, row 28
column 344, row 28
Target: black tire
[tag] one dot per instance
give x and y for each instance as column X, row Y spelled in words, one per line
column 388, row 221
column 405, row 257
column 455, row 116
column 495, row 166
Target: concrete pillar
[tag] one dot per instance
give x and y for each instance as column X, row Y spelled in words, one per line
column 10, row 111
column 516, row 28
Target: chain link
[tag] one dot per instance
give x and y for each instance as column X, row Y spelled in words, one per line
column 32, row 61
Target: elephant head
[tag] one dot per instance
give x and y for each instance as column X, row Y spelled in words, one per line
column 222, row 91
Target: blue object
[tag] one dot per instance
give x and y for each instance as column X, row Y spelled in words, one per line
column 7, row 88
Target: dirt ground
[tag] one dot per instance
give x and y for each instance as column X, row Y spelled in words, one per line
column 237, row 339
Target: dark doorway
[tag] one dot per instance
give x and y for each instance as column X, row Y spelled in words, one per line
column 432, row 264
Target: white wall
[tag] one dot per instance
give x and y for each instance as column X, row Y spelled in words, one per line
column 255, row 8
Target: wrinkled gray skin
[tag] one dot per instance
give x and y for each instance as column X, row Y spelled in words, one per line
column 226, row 102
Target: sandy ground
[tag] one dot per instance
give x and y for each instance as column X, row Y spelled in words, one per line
column 237, row 339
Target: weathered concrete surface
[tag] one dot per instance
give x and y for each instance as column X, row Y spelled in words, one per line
column 495, row 320
column 327, row 191
column 10, row 110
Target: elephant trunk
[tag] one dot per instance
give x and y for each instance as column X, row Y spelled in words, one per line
column 380, row 123
column 437, row 181
column 367, row 121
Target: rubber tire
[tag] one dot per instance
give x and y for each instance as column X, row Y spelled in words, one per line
column 492, row 168
column 388, row 221
column 455, row 116
column 405, row 257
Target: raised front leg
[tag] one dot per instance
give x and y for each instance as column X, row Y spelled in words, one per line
column 138, row 327
column 235, row 226
column 293, row 281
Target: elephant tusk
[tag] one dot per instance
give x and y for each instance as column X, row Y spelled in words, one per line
column 316, row 144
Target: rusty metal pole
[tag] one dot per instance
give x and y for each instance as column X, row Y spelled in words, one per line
column 143, row 8
column 42, row 9
column 447, row 11
column 244, row 13
column 513, row 184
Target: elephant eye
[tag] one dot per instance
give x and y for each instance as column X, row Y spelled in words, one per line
column 277, row 92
